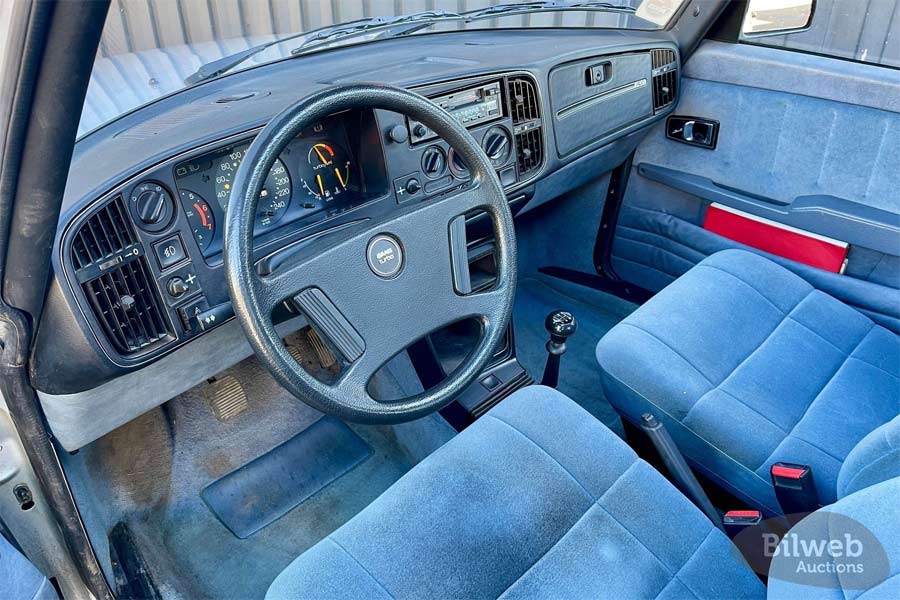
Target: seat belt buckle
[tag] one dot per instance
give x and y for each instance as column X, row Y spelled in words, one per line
column 794, row 488
column 736, row 521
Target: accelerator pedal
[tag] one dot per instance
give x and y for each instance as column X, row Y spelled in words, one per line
column 226, row 397
column 326, row 357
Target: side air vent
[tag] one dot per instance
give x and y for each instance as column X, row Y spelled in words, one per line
column 102, row 237
column 525, row 109
column 112, row 270
column 665, row 78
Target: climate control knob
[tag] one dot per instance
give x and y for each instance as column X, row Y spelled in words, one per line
column 497, row 145
column 434, row 161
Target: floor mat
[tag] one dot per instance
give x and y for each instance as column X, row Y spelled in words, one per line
column 150, row 472
column 596, row 313
column 268, row 487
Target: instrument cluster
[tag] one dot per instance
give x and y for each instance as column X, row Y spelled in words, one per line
column 316, row 177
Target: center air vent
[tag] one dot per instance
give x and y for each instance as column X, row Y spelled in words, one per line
column 526, row 116
column 665, row 77
column 111, row 268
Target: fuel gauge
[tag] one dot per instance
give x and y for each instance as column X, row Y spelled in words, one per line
column 326, row 173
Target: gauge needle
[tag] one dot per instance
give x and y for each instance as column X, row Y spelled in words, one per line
column 340, row 177
column 321, row 187
column 319, row 152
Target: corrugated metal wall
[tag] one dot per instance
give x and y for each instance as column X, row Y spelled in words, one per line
column 136, row 25
column 865, row 30
column 150, row 46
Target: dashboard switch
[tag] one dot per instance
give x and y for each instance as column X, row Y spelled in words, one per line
column 189, row 312
column 407, row 188
column 413, row 186
column 210, row 318
column 169, row 252
column 398, row 134
column 177, row 287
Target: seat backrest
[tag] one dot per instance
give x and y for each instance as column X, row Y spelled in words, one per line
column 874, row 459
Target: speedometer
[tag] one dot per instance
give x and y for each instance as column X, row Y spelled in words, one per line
column 275, row 196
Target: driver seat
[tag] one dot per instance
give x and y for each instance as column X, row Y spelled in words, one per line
column 537, row 498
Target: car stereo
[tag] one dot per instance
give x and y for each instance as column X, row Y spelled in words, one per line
column 470, row 107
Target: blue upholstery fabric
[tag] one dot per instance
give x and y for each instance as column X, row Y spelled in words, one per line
column 875, row 508
column 748, row 364
column 19, row 579
column 876, row 458
column 536, row 499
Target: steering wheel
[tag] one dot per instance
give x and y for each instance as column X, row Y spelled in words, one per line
column 375, row 288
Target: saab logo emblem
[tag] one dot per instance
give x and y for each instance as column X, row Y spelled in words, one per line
column 385, row 256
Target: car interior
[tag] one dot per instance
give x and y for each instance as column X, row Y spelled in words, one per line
column 457, row 304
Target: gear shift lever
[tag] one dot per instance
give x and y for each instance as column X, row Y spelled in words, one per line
column 560, row 324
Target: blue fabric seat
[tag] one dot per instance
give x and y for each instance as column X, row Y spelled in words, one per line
column 535, row 499
column 748, row 364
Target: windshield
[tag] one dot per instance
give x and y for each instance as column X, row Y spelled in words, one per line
column 151, row 48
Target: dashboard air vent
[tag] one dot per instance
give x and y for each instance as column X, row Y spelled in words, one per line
column 103, row 236
column 116, row 280
column 525, row 109
column 665, row 77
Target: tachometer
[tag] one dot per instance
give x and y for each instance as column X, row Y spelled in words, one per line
column 275, row 196
column 200, row 217
column 326, row 173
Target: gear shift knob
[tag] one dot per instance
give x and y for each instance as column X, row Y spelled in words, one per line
column 560, row 324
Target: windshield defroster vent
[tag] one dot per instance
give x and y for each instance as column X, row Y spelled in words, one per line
column 525, row 110
column 112, row 271
column 665, row 77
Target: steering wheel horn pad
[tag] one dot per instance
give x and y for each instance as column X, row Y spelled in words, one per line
column 375, row 288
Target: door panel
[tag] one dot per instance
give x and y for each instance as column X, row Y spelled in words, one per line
column 805, row 141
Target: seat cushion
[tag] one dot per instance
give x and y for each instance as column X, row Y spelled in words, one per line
column 747, row 364
column 536, row 498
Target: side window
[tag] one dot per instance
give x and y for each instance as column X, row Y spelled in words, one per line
column 860, row 30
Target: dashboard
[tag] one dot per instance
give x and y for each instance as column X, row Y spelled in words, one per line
column 138, row 269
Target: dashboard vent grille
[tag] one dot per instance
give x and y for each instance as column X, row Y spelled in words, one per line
column 661, row 57
column 127, row 307
column 116, row 280
column 529, row 150
column 523, row 100
column 526, row 114
column 103, row 236
column 665, row 77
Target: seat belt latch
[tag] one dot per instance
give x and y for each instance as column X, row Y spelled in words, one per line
column 794, row 488
column 736, row 521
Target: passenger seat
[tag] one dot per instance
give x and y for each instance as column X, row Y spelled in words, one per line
column 748, row 364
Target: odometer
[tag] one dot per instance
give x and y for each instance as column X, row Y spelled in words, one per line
column 275, row 196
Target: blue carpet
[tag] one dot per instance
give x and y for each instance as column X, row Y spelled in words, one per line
column 596, row 313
